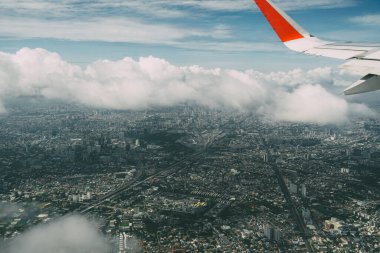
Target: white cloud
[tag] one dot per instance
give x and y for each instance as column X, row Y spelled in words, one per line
column 166, row 8
column 331, row 79
column 367, row 20
column 312, row 103
column 243, row 5
column 130, row 31
column 68, row 235
column 315, row 4
column 138, row 21
column 297, row 95
column 110, row 29
column 159, row 9
column 30, row 5
column 232, row 46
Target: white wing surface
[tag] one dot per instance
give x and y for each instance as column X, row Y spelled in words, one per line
column 361, row 58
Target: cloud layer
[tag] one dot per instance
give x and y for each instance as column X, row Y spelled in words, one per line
column 367, row 20
column 175, row 23
column 161, row 8
column 68, row 235
column 299, row 96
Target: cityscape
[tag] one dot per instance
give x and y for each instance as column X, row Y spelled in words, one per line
column 196, row 126
column 189, row 178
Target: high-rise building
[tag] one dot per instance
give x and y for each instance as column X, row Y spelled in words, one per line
column 128, row 244
column 277, row 235
column 307, row 216
column 269, row 232
column 272, row 233
column 293, row 189
column 304, row 191
column 266, row 157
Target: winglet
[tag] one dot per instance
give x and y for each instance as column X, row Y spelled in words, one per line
column 291, row 34
column 285, row 27
column 366, row 84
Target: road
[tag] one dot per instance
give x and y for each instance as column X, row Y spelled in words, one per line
column 130, row 185
column 171, row 169
column 297, row 216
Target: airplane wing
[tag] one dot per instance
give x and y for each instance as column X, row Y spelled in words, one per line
column 361, row 58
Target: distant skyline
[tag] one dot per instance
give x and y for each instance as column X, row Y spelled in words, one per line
column 209, row 33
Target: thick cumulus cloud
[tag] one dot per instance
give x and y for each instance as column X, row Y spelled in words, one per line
column 298, row 95
column 68, row 235
column 312, row 104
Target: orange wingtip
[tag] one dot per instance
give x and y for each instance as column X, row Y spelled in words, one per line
column 281, row 26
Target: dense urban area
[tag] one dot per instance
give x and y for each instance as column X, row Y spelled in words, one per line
column 191, row 179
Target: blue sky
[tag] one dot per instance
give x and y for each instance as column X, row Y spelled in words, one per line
column 210, row 33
